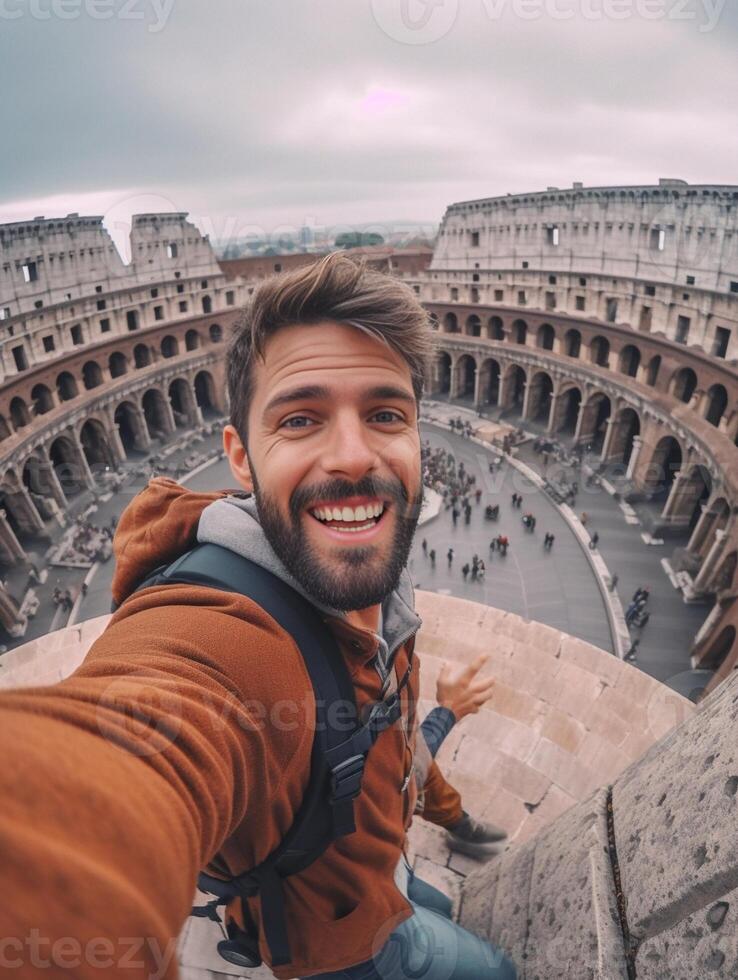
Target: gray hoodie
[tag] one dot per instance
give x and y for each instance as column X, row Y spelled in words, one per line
column 233, row 523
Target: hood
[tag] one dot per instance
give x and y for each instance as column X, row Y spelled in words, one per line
column 159, row 525
column 166, row 519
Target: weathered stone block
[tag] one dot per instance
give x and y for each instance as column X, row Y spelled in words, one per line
column 495, row 901
column 675, row 816
column 702, row 945
column 574, row 931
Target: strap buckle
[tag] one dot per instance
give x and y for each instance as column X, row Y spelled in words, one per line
column 346, row 779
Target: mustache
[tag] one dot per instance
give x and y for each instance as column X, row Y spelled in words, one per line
column 368, row 486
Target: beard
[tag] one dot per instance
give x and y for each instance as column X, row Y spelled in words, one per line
column 343, row 578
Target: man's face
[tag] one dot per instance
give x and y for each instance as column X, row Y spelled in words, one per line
column 334, row 460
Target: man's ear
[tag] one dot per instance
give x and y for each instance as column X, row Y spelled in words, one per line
column 237, row 458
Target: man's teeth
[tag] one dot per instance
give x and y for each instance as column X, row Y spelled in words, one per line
column 369, row 512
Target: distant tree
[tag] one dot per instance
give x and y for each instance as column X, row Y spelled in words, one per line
column 358, row 239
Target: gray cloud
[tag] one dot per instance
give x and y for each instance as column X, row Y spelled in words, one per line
column 265, row 113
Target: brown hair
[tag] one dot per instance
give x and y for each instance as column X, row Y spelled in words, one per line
column 334, row 288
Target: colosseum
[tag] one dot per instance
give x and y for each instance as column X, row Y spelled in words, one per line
column 601, row 320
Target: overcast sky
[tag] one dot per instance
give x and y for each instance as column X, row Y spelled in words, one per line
column 258, row 113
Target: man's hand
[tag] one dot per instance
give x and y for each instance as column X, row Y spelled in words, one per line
column 465, row 693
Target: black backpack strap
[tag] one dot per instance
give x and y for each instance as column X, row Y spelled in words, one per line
column 337, row 761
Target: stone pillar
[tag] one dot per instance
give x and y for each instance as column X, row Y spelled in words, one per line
column 634, row 457
column 84, row 466
column 711, row 562
column 25, row 513
column 478, row 388
column 680, row 488
column 10, row 615
column 453, row 391
column 50, row 482
column 526, row 399
column 612, row 428
column 167, row 417
column 695, row 402
column 702, row 529
column 501, row 388
column 10, row 547
column 550, row 428
column 116, row 444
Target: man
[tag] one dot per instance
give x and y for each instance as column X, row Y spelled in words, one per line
column 185, row 737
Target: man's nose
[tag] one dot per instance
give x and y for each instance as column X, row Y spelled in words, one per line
column 349, row 451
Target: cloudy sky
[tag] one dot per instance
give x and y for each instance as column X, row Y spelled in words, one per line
column 254, row 114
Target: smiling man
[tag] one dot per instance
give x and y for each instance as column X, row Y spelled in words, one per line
column 185, row 738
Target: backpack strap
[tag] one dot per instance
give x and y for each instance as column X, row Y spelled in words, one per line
column 337, row 761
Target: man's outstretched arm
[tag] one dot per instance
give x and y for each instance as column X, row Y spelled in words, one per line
column 120, row 783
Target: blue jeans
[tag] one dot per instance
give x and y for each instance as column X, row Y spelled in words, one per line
column 429, row 946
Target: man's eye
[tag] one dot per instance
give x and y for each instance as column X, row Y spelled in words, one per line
column 387, row 416
column 297, row 422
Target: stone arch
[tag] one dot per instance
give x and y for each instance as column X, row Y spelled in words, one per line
column 142, row 355
column 666, row 462
column 466, row 376
column 182, row 401
column 66, row 386
column 118, row 364
column 519, row 332
column 490, row 381
column 473, row 325
column 94, row 442
column 595, row 415
column 573, row 343
column 156, row 416
column 571, row 405
column 128, row 420
column 716, row 403
column 442, row 374
column 599, row 351
column 652, row 372
column 514, row 390
column 627, row 425
column 192, row 340
column 13, row 514
column 67, row 467
column 450, row 323
column 92, row 376
column 205, row 395
column 714, row 518
column 216, row 333
column 683, row 384
column 539, row 397
column 629, row 360
column 207, row 305
column 42, row 398
column 169, row 346
column 495, row 328
column 545, row 337
column 725, row 575
column 19, row 414
column 696, row 491
column 5, row 432
column 38, row 480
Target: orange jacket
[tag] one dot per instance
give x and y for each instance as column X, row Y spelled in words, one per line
column 185, row 734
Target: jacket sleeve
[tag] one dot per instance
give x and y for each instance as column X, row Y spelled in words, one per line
column 120, row 783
